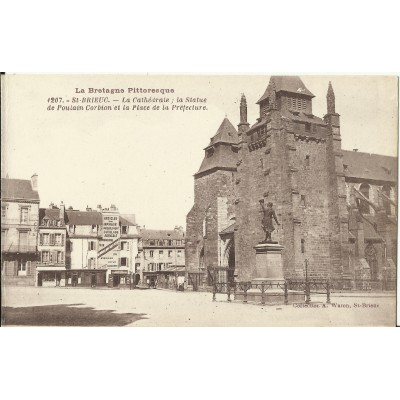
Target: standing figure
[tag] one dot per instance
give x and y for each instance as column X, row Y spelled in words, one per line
column 267, row 223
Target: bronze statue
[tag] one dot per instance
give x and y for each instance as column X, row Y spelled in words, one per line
column 267, row 223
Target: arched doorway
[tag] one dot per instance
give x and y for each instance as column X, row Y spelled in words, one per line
column 229, row 259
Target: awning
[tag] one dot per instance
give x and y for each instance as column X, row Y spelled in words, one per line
column 51, row 268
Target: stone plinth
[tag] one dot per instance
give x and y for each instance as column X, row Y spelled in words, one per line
column 269, row 271
column 269, row 264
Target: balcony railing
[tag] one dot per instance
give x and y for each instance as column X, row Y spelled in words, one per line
column 18, row 248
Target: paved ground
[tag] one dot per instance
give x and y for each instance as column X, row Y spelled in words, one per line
column 102, row 307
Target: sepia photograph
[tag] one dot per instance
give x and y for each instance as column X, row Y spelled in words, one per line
column 199, row 200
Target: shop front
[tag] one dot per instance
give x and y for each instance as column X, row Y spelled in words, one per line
column 60, row 276
column 86, row 278
column 169, row 278
column 119, row 279
column 51, row 276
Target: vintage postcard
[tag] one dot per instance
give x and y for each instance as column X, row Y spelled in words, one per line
column 197, row 200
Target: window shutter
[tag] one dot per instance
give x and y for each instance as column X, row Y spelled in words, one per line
column 94, row 246
column 127, row 245
column 62, row 240
column 52, row 239
column 62, row 256
column 41, row 238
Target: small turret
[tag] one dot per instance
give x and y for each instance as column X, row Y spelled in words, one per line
column 243, row 125
column 330, row 100
column 243, row 109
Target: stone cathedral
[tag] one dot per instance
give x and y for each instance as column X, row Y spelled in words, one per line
column 337, row 208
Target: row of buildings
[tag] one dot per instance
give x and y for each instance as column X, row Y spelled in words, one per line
column 55, row 246
column 337, row 208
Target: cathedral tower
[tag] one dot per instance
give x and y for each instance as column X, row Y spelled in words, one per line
column 212, row 212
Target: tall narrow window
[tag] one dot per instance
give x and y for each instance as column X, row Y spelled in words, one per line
column 24, row 215
column 307, row 160
column 303, row 246
column 363, row 205
column 386, row 202
column 303, row 200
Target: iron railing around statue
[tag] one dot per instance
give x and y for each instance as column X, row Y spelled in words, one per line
column 231, row 288
column 307, row 286
column 311, row 285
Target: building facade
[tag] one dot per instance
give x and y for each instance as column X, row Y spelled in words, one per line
column 88, row 248
column 161, row 258
column 52, row 239
column 19, row 230
column 336, row 208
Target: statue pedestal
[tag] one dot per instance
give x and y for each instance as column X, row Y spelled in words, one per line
column 268, row 278
column 269, row 263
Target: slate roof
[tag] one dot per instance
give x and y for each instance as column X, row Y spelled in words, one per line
column 84, row 218
column 370, row 166
column 291, row 84
column 52, row 214
column 226, row 133
column 159, row 234
column 127, row 219
column 95, row 218
column 18, row 189
column 223, row 158
column 221, row 144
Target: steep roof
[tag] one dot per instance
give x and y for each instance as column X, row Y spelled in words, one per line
column 159, row 234
column 95, row 218
column 18, row 189
column 84, row 218
column 226, row 133
column 369, row 166
column 220, row 152
column 127, row 219
column 52, row 214
column 223, row 157
column 291, row 84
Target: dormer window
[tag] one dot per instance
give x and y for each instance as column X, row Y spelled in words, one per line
column 124, row 229
column 307, row 127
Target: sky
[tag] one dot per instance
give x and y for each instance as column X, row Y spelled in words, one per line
column 144, row 161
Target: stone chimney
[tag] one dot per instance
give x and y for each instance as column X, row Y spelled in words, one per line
column 178, row 229
column 99, row 209
column 34, row 182
column 88, row 208
column 113, row 207
column 62, row 210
